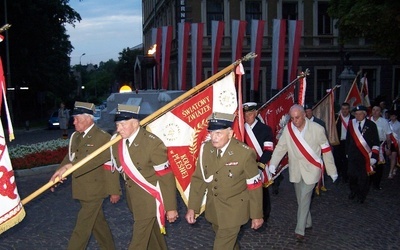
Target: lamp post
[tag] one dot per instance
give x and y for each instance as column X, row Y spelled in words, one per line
column 80, row 58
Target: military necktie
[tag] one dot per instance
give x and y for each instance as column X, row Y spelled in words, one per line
column 359, row 126
column 127, row 143
column 219, row 153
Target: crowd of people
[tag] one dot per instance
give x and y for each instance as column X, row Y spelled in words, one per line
column 234, row 175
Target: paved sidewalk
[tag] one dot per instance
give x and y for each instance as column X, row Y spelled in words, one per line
column 338, row 223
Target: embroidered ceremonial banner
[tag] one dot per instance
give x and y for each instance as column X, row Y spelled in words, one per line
column 302, row 91
column 353, row 97
column 364, row 92
column 325, row 111
column 184, row 128
column 275, row 114
column 257, row 34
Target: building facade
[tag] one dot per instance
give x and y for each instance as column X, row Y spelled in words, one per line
column 320, row 50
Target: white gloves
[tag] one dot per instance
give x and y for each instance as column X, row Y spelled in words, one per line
column 272, row 169
column 372, row 161
column 334, row 177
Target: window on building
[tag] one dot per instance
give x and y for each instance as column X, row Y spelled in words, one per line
column 323, row 83
column 215, row 11
column 253, row 11
column 289, row 10
column 325, row 24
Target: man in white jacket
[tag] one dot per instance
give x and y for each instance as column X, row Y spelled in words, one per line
column 304, row 141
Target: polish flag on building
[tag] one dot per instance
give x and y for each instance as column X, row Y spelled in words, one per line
column 238, row 31
column 197, row 52
column 217, row 33
column 166, row 53
column 156, row 34
column 11, row 209
column 294, row 33
column 183, row 42
column 278, row 53
column 257, row 34
column 184, row 128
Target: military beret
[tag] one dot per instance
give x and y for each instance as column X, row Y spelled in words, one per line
column 360, row 108
column 126, row 112
column 220, row 121
column 83, row 108
column 249, row 106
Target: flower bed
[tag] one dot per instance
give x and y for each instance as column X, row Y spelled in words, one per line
column 39, row 154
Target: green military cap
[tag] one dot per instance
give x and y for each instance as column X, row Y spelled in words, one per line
column 83, row 108
column 220, row 121
column 126, row 112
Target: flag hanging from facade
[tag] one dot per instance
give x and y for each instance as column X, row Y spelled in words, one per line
column 166, row 52
column 156, row 40
column 183, row 42
column 11, row 209
column 353, row 97
column 257, row 34
column 364, row 92
column 217, row 33
column 294, row 37
column 325, row 111
column 184, row 128
column 197, row 52
column 278, row 53
column 238, row 31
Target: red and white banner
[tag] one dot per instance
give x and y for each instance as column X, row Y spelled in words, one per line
column 353, row 97
column 325, row 110
column 275, row 113
column 183, row 42
column 294, row 37
column 217, row 33
column 11, row 209
column 238, row 31
column 197, row 52
column 156, row 39
column 184, row 128
column 302, row 91
column 364, row 91
column 257, row 34
column 278, row 53
column 166, row 52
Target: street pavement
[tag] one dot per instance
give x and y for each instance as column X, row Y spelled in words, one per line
column 338, row 223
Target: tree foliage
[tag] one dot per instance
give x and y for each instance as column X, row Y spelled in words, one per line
column 125, row 66
column 376, row 20
column 39, row 50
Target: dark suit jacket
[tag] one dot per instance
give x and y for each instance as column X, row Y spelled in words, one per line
column 146, row 151
column 339, row 125
column 263, row 134
column 229, row 202
column 92, row 180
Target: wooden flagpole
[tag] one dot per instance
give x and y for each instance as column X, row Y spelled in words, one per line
column 144, row 122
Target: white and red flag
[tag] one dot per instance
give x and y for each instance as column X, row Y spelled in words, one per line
column 184, row 128
column 183, row 42
column 302, row 91
column 364, row 91
column 156, row 40
column 238, row 31
column 11, row 209
column 275, row 113
column 278, row 53
column 257, row 34
column 166, row 52
column 217, row 33
column 294, row 37
column 354, row 96
column 197, row 52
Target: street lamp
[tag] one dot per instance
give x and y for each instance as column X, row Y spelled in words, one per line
column 80, row 58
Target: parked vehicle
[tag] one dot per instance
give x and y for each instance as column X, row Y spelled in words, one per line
column 53, row 122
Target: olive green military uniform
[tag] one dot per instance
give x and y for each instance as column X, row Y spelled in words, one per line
column 147, row 151
column 230, row 200
column 91, row 183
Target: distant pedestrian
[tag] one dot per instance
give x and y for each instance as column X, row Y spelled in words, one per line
column 63, row 119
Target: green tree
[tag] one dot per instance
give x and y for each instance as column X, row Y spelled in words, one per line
column 100, row 81
column 375, row 20
column 39, row 52
column 125, row 67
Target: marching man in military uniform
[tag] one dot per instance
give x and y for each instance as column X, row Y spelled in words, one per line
column 92, row 182
column 259, row 137
column 227, row 169
column 141, row 157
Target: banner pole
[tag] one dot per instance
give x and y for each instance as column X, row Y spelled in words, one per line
column 143, row 122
